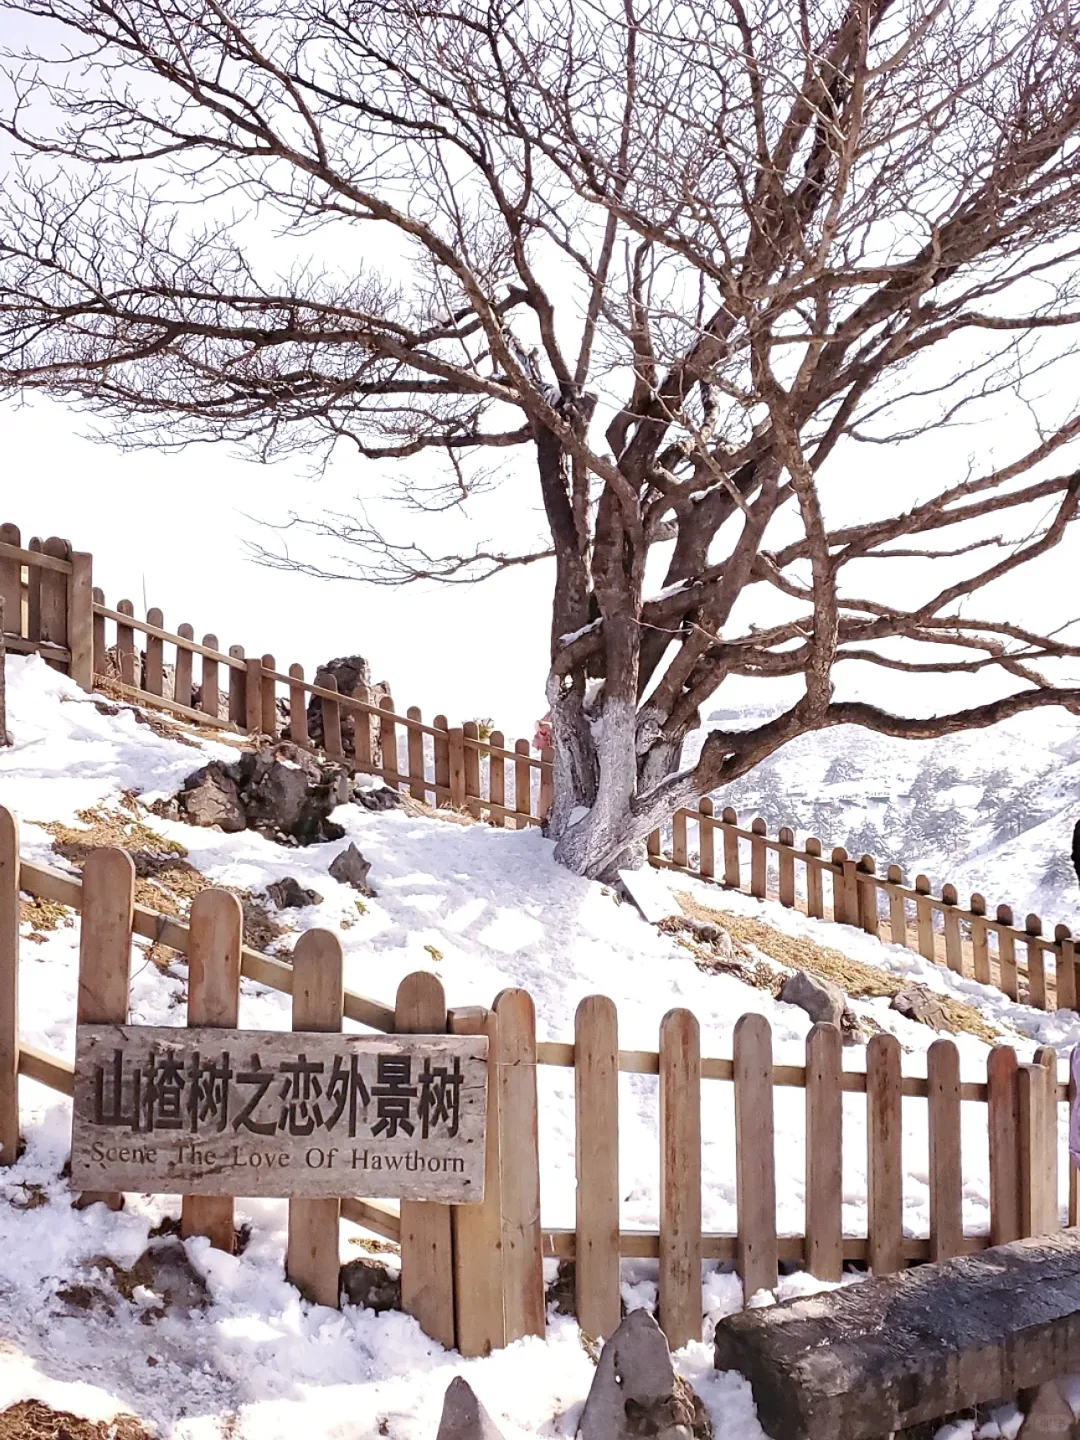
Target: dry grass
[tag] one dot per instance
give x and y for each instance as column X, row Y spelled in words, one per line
column 165, row 879
column 34, row 1420
column 856, row 979
column 43, row 916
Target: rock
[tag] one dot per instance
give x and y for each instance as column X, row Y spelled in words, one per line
column 919, row 1003
column 283, row 792
column 164, row 1269
column 890, row 1353
column 823, row 1001
column 463, row 1416
column 636, row 1393
column 382, row 798
column 367, row 1283
column 288, row 894
column 350, row 868
column 1049, row 1414
column 353, row 676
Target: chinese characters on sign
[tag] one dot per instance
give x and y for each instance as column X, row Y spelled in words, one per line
column 216, row 1112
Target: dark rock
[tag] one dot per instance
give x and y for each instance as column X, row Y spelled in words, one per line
column 164, row 1269
column 289, row 894
column 350, row 868
column 919, row 1003
column 823, row 1001
column 283, row 792
column 367, row 1283
column 353, row 676
column 463, row 1417
column 635, row 1391
column 891, row 1353
column 381, row 799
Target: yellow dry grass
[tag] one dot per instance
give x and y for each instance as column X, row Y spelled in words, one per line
column 855, row 978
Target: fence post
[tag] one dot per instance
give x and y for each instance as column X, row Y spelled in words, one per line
column 477, row 1229
column 897, row 909
column 680, row 1178
column 126, row 654
column 183, row 667
column 80, row 619
column 596, row 1092
column 1037, row 1089
column 679, row 846
column 268, row 721
column 523, row 1267
column 732, row 873
column 331, row 718
column 215, row 938
column 237, row 688
column 154, row 678
column 389, row 745
column 1065, row 967
column 209, row 692
column 427, row 1261
column 924, row 919
column 884, row 1170
column 954, row 950
column 755, row 1157
column 311, row 1261
column 522, row 782
column 108, row 901
column 9, row 978
column 54, row 595
column 547, row 781
column 824, row 1153
column 441, row 756
column 100, row 658
column 456, row 739
column 1036, row 965
column 866, row 896
column 33, row 592
column 417, row 773
column 980, row 950
column 11, row 581
column 470, row 736
column 253, row 709
column 946, row 1175
column 815, row 889
column 758, row 859
column 1003, row 1123
column 1006, row 942
column 786, row 866
column 1074, row 1170
column 840, row 913
column 706, row 839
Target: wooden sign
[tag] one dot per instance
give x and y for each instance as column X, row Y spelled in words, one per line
column 246, row 1112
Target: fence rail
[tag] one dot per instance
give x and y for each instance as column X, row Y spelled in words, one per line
column 487, row 1259
column 48, row 587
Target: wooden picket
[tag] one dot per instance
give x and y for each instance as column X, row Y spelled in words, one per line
column 596, row 1091
column 680, row 1178
column 946, row 1180
column 216, row 927
column 884, row 1171
column 755, row 1154
column 427, row 1260
column 518, row 1118
column 311, row 1261
column 1003, row 1130
column 824, row 1153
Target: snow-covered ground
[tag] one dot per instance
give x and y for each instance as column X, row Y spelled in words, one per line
column 484, row 909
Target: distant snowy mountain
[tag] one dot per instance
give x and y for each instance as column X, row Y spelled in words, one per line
column 991, row 810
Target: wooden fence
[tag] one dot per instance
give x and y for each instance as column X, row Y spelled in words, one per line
column 506, row 783
column 472, row 1275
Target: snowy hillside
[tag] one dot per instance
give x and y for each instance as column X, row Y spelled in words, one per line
column 484, row 909
column 992, row 810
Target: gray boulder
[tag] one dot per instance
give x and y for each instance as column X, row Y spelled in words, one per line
column 823, row 1001
column 463, row 1416
column 352, row 674
column 382, row 798
column 635, row 1392
column 368, row 1283
column 288, row 894
column 283, row 792
column 919, row 1003
column 350, row 868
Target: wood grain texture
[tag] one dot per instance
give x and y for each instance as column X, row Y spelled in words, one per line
column 980, row 948
column 298, row 722
column 312, row 1257
column 237, row 688
column 478, row 1245
column 732, row 869
column 80, row 619
column 815, row 889
column 108, row 899
column 209, row 693
column 523, row 1269
column 596, row 1090
column 946, row 1176
column 427, row 1258
column 758, row 859
column 755, row 1154
column 216, row 925
column 154, row 665
column 706, row 839
column 824, row 1153
column 417, row 781
column 885, row 1174
column 9, row 986
column 1003, row 1128
column 182, row 668
column 680, row 1178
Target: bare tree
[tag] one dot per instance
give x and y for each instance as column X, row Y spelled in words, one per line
column 688, row 260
